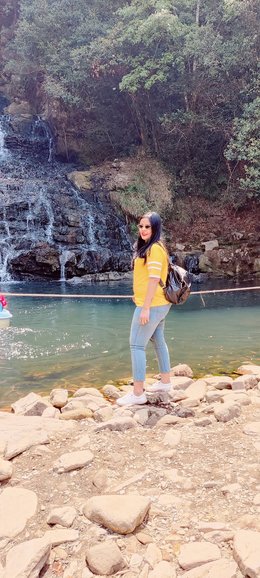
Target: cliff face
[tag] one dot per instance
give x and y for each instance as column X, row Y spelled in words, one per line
column 49, row 228
column 58, row 221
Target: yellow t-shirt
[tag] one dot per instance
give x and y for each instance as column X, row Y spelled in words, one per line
column 156, row 266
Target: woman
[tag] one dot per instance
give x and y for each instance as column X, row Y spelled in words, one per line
column 150, row 265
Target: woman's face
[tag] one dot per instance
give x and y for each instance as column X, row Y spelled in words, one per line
column 145, row 229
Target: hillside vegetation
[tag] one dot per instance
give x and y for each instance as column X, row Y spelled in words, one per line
column 176, row 80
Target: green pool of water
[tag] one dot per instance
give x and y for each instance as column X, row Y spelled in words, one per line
column 74, row 343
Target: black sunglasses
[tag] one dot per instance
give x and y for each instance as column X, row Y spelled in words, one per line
column 144, row 226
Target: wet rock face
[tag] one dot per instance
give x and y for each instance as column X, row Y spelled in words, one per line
column 28, row 134
column 49, row 228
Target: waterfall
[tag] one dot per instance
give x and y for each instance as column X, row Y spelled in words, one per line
column 5, row 249
column 48, row 228
column 64, row 258
column 45, row 203
column 41, row 130
column 4, row 258
column 6, row 224
column 91, row 230
column 35, row 219
column 3, row 150
column 191, row 263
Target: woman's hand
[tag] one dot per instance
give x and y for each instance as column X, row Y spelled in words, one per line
column 144, row 315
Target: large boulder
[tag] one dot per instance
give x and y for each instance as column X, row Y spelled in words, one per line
column 246, row 552
column 17, row 506
column 120, row 514
column 105, row 558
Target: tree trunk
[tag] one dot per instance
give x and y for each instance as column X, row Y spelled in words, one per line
column 140, row 121
column 198, row 23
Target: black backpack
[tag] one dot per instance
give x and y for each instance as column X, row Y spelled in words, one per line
column 177, row 287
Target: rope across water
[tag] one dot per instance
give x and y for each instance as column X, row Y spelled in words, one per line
column 86, row 296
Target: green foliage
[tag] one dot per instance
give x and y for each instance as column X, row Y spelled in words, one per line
column 244, row 147
column 176, row 79
column 133, row 199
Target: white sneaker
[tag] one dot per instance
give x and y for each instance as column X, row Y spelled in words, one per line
column 159, row 386
column 132, row 399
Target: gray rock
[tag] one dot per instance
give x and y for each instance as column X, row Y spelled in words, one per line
column 100, row 480
column 219, row 381
column 181, row 382
column 167, row 420
column 105, row 558
column 111, row 391
column 227, row 411
column 181, row 370
column 246, row 552
column 223, row 568
column 27, row 559
column 77, row 414
column 203, row 421
column 184, row 412
column 119, row 513
column 238, row 397
column 197, row 553
column 152, row 555
column 63, row 516
column 197, row 390
column 18, row 446
column 2, row 447
column 141, row 416
column 117, row 424
column 73, row 461
column 214, row 395
column 17, row 506
column 73, row 404
column 210, row 245
column 19, row 433
column 59, row 397
column 244, row 382
column 51, row 412
column 177, row 395
column 83, row 391
column 249, row 369
column 57, row 537
column 6, row 470
column 103, row 414
column 31, row 404
column 163, row 570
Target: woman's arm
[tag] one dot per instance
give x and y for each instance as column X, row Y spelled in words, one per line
column 150, row 293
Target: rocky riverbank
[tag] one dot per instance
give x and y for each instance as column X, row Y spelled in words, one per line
column 166, row 490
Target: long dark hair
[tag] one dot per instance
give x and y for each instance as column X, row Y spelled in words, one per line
column 141, row 247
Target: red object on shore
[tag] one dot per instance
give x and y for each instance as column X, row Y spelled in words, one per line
column 3, row 301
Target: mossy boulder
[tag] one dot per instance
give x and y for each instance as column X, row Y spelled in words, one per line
column 81, row 180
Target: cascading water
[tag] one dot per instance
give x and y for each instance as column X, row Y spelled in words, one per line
column 3, row 150
column 191, row 263
column 65, row 256
column 48, row 228
column 40, row 129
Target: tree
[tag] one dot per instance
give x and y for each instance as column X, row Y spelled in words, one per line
column 244, row 149
column 165, row 75
column 181, row 69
